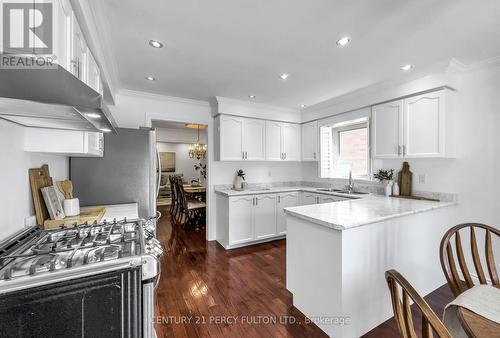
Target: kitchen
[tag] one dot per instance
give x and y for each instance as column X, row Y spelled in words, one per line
column 310, row 128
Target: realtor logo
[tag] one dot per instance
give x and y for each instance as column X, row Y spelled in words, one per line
column 27, row 28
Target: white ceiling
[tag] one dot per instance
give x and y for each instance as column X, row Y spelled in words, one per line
column 234, row 48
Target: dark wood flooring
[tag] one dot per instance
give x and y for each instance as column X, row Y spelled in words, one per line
column 206, row 291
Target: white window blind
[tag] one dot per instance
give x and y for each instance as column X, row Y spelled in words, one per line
column 326, row 152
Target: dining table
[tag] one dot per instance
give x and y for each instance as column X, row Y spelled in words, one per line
column 196, row 191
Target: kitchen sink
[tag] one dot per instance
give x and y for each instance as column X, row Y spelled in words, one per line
column 340, row 191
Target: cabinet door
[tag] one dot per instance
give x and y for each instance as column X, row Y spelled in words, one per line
column 310, row 141
column 284, row 201
column 62, row 33
column 254, row 139
column 331, row 198
column 94, row 74
column 388, row 129
column 265, row 216
column 241, row 219
column 291, row 142
column 424, row 121
column 79, row 58
column 309, row 198
column 230, row 138
column 273, row 141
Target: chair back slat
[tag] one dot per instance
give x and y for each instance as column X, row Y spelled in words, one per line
column 426, row 328
column 475, row 256
column 490, row 259
column 461, row 260
column 453, row 269
column 402, row 310
column 449, row 267
column 410, row 330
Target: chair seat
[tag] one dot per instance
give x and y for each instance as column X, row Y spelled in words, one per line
column 192, row 205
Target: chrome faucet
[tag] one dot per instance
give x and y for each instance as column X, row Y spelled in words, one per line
column 350, row 186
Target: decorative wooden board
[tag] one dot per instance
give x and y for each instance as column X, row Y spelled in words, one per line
column 87, row 214
column 39, row 178
column 417, row 198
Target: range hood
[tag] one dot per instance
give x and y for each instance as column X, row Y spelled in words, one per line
column 52, row 98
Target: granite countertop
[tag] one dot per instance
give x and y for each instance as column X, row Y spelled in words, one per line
column 272, row 190
column 348, row 214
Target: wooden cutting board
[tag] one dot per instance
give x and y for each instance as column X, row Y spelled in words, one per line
column 40, row 178
column 404, row 180
column 87, row 214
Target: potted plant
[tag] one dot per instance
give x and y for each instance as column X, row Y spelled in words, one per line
column 238, row 180
column 202, row 171
column 385, row 176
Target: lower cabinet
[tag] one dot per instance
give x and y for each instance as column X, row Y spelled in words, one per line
column 285, row 200
column 249, row 219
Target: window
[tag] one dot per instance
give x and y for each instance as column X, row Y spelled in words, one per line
column 345, row 147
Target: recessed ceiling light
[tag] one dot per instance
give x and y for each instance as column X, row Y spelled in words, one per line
column 303, row 106
column 284, row 76
column 406, row 68
column 105, row 130
column 150, row 78
column 93, row 115
column 251, row 96
column 155, row 44
column 344, row 41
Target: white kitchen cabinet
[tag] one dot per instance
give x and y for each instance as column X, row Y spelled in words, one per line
column 421, row 126
column 79, row 52
column 254, row 139
column 62, row 30
column 388, row 129
column 265, row 216
column 273, row 141
column 285, row 200
column 241, row 139
column 424, row 125
column 291, row 141
column 308, row 198
column 64, row 142
column 241, row 219
column 230, row 130
column 94, row 74
column 310, row 141
column 282, row 141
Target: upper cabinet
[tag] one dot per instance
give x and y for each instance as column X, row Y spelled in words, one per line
column 416, row 127
column 240, row 139
column 63, row 17
column 64, row 142
column 282, row 141
column 310, row 141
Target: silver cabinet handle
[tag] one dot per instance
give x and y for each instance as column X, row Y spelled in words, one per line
column 279, row 199
column 243, row 155
column 314, row 155
column 404, row 150
column 256, row 201
column 399, row 150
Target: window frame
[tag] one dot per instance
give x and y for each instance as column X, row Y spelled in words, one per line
column 345, row 122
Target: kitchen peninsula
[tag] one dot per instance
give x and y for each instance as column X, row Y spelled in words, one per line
column 337, row 254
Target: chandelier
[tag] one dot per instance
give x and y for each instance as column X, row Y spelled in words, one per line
column 198, row 150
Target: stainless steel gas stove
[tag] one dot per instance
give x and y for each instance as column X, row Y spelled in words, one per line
column 124, row 252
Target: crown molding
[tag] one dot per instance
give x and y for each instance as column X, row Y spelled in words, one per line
column 160, row 97
column 228, row 100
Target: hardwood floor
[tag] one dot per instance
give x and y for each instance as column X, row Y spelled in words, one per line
column 206, row 291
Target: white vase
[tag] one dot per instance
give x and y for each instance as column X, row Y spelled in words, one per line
column 238, row 183
column 395, row 189
column 388, row 188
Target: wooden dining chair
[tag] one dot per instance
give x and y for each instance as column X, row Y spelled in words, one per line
column 402, row 309
column 192, row 210
column 448, row 260
column 174, row 207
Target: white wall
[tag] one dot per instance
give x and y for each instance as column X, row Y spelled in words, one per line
column 183, row 164
column 16, row 201
column 134, row 109
column 178, row 135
